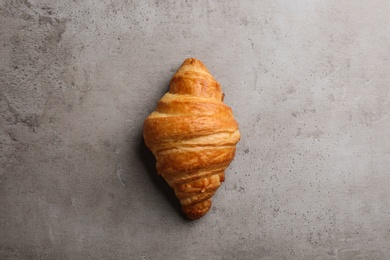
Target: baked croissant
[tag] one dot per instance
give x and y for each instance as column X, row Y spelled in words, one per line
column 193, row 136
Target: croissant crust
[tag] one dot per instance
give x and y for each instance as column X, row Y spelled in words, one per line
column 193, row 136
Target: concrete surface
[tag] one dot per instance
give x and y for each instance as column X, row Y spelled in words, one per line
column 309, row 84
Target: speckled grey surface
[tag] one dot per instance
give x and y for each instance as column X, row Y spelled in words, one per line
column 309, row 84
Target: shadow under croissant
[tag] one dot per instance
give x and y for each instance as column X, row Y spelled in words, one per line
column 148, row 160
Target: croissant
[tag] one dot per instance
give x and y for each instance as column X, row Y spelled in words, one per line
column 193, row 136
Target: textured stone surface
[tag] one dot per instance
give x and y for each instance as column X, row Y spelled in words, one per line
column 308, row 81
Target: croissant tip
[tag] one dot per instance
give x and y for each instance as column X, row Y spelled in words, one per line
column 197, row 211
column 192, row 61
column 194, row 215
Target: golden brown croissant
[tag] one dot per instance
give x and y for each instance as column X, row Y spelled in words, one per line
column 193, row 136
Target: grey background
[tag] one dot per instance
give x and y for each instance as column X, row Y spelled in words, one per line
column 309, row 84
